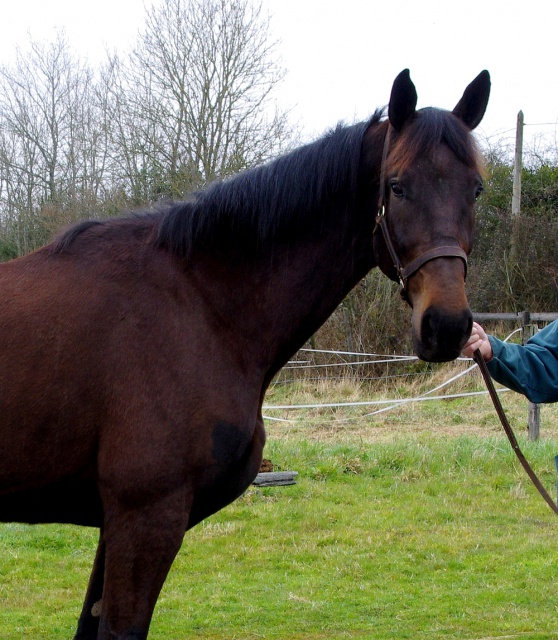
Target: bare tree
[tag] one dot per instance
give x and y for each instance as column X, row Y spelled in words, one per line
column 197, row 91
column 135, row 134
column 193, row 101
column 53, row 144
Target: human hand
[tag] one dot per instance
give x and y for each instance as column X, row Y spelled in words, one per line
column 478, row 340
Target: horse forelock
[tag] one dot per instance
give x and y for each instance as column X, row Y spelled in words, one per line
column 429, row 128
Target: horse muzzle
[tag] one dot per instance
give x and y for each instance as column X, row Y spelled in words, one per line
column 439, row 335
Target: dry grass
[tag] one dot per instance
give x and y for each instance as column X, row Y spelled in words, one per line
column 468, row 415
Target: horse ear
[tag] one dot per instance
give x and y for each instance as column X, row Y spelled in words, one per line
column 403, row 100
column 472, row 105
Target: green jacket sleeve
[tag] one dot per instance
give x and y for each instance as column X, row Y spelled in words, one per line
column 531, row 369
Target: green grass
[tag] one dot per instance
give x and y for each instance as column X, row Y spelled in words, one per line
column 425, row 538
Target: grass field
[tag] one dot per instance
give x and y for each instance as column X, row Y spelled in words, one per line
column 417, row 523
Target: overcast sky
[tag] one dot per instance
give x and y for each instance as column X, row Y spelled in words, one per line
column 341, row 56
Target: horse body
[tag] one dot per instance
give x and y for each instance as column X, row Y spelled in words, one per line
column 114, row 372
column 135, row 353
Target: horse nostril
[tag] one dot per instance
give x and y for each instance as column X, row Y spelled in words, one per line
column 428, row 327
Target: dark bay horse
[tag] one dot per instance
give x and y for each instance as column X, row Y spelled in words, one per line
column 135, row 353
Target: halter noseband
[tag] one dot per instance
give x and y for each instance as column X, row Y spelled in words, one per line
column 405, row 272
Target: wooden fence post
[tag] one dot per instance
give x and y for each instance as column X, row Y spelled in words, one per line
column 534, row 410
column 516, row 194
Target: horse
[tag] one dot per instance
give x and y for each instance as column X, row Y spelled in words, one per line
column 135, row 352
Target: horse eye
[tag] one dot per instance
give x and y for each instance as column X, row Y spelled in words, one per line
column 478, row 191
column 396, row 189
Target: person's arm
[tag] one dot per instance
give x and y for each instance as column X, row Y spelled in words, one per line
column 531, row 369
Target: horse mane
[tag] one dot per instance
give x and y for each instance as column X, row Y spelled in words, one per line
column 135, row 222
column 300, row 191
column 65, row 240
column 429, row 128
column 255, row 207
column 267, row 204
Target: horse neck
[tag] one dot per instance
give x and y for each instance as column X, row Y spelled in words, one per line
column 308, row 279
column 272, row 306
column 275, row 302
column 309, row 284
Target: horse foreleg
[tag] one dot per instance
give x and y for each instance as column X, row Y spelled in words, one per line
column 88, row 625
column 141, row 545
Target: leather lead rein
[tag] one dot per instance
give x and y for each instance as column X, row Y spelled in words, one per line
column 477, row 357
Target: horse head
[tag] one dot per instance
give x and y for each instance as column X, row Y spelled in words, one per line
column 431, row 176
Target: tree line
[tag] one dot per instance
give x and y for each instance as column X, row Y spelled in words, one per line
column 194, row 101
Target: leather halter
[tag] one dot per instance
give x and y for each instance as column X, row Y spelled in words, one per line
column 405, row 272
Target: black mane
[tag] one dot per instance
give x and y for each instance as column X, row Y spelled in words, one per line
column 261, row 205
column 301, row 191
column 269, row 202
